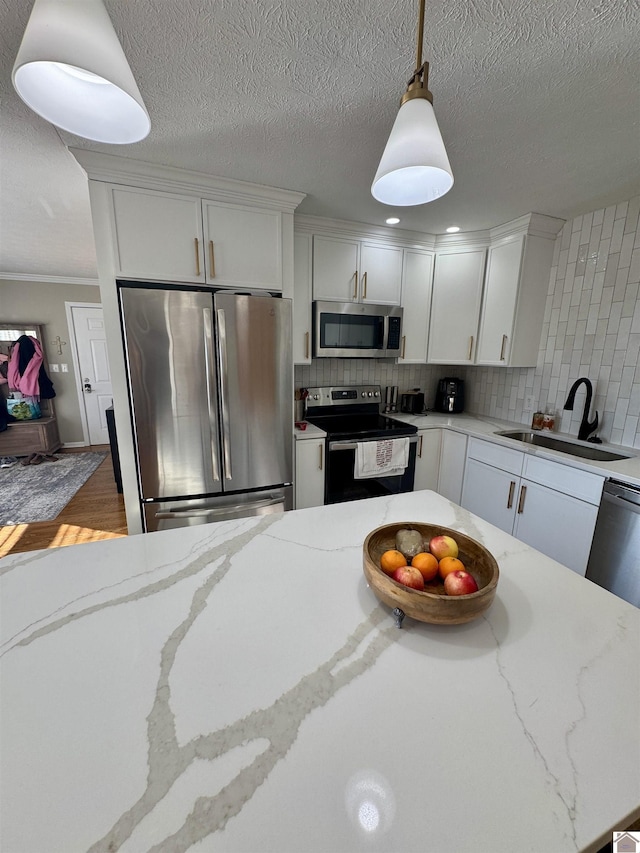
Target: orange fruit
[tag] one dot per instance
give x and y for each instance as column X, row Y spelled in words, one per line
column 392, row 560
column 450, row 564
column 426, row 564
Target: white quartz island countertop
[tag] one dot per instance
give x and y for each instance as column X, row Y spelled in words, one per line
column 237, row 688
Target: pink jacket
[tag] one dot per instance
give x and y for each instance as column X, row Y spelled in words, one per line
column 28, row 383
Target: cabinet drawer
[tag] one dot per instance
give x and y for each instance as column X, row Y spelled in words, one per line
column 496, row 455
column 563, row 478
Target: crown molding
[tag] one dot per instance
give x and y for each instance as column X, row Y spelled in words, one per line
column 327, row 227
column 533, row 224
column 36, row 278
column 112, row 169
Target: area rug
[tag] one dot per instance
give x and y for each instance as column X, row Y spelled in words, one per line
column 40, row 492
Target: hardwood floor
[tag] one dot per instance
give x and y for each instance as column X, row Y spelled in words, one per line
column 95, row 512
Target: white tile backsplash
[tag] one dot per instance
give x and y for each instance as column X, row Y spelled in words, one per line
column 602, row 342
column 591, row 328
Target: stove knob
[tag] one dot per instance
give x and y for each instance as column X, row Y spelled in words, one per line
column 370, row 393
column 316, row 397
column 364, row 393
column 376, row 394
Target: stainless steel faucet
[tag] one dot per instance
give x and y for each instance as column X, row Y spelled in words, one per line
column 586, row 426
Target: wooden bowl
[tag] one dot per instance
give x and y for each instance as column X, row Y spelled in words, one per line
column 433, row 605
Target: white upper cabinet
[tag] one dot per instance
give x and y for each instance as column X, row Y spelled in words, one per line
column 455, row 306
column 243, row 246
column 302, row 299
column 380, row 274
column 417, row 276
column 157, row 235
column 513, row 304
column 168, row 237
column 335, row 269
column 346, row 270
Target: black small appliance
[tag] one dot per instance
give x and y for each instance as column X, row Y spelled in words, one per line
column 412, row 402
column 450, row 395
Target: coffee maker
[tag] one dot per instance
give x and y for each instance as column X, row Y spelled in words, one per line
column 449, row 395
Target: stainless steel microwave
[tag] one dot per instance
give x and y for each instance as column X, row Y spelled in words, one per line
column 356, row 330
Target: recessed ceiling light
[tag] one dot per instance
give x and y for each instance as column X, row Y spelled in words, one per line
column 453, row 229
column 392, row 220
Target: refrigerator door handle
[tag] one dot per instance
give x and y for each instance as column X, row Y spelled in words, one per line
column 223, row 510
column 224, row 396
column 209, row 359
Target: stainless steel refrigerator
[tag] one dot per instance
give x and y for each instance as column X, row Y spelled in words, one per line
column 210, row 387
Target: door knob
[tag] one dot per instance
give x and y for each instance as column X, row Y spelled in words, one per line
column 87, row 386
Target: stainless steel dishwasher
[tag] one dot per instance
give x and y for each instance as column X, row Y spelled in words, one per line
column 614, row 561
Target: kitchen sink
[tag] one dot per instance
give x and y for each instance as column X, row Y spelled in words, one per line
column 541, row 440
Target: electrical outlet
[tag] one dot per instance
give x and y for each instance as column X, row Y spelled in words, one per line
column 54, row 368
column 64, row 368
column 529, row 403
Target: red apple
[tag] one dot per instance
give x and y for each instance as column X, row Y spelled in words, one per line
column 443, row 546
column 409, row 576
column 460, row 583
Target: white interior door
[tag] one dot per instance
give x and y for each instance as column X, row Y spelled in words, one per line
column 93, row 366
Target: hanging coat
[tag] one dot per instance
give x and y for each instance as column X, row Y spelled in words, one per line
column 27, row 373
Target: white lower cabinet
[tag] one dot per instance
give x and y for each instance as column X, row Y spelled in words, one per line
column 428, row 459
column 310, row 466
column 452, row 460
column 547, row 505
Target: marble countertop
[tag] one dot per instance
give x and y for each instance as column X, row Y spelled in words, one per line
column 627, row 470
column 237, row 687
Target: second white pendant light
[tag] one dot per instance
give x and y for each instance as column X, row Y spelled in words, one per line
column 72, row 71
column 414, row 168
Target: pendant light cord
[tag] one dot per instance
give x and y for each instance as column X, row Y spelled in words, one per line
column 420, row 33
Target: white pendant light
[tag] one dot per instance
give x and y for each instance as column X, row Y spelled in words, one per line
column 72, row 71
column 414, row 168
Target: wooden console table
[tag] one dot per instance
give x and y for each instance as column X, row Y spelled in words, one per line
column 24, row 437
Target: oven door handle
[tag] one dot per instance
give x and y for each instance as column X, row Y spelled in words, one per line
column 351, row 445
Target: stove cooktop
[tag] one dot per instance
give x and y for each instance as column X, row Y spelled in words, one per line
column 352, row 411
column 355, row 425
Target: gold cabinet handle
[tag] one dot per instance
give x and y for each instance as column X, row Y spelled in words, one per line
column 512, row 488
column 364, row 284
column 212, row 260
column 523, row 492
column 420, row 447
column 504, row 343
column 404, row 345
column 306, row 344
column 197, row 250
column 320, row 458
column 355, row 285
column 470, row 346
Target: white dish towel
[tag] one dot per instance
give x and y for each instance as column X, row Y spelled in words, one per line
column 381, row 458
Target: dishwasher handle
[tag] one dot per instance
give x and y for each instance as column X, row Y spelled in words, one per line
column 630, row 494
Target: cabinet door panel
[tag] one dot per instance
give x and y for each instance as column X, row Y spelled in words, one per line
column 499, row 303
column 335, row 269
column 381, row 274
column 556, row 524
column 428, row 459
column 490, row 493
column 309, row 472
column 417, row 277
column 455, row 307
column 302, row 299
column 155, row 235
column 244, row 246
column 452, row 457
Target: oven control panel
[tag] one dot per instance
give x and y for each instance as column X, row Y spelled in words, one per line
column 342, row 395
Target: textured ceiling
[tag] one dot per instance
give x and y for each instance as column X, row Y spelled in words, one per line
column 537, row 102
